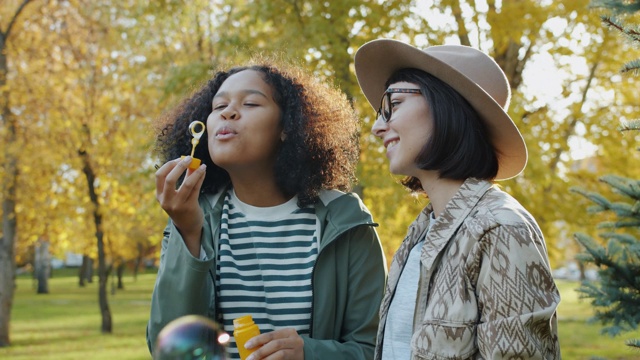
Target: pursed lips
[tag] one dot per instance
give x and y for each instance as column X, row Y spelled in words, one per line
column 225, row 132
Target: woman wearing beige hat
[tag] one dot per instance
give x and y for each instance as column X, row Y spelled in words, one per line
column 471, row 280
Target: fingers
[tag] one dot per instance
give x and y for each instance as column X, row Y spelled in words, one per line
column 161, row 175
column 278, row 344
column 167, row 178
column 190, row 187
column 179, row 168
column 170, row 172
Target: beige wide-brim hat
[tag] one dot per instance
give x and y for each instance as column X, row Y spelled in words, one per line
column 472, row 73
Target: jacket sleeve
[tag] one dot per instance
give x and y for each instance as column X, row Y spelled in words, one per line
column 517, row 296
column 183, row 284
column 361, row 270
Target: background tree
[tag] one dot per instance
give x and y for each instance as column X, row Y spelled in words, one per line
column 98, row 63
column 555, row 113
column 8, row 134
column 108, row 135
column 320, row 35
column 87, row 79
column 616, row 297
column 86, row 133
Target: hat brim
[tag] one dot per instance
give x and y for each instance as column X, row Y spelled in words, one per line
column 377, row 60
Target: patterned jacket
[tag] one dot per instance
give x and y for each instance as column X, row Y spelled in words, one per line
column 485, row 290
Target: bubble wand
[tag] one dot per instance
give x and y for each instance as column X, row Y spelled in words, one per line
column 196, row 129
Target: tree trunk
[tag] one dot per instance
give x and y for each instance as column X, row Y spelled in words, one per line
column 88, row 271
column 9, row 180
column 7, row 279
column 138, row 262
column 113, row 280
column 97, row 218
column 103, row 278
column 9, row 224
column 136, row 266
column 463, row 33
column 7, row 242
column 120, row 271
column 82, row 272
column 42, row 266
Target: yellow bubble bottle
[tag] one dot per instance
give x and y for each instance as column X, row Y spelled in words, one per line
column 244, row 329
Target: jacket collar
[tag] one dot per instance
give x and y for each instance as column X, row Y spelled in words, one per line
column 445, row 226
column 334, row 209
column 455, row 212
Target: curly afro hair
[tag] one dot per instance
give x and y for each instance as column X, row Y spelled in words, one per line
column 321, row 148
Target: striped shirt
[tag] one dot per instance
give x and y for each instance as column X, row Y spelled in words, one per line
column 265, row 265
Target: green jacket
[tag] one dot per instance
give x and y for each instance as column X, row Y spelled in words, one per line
column 348, row 278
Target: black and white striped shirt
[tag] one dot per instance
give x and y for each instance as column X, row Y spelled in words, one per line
column 266, row 258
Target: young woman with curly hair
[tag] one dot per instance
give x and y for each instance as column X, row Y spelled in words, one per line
column 265, row 226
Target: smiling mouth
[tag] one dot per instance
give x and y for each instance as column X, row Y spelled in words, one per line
column 392, row 143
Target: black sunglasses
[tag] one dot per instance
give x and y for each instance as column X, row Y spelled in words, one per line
column 386, row 108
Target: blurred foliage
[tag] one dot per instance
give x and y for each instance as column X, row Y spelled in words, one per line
column 616, row 296
column 113, row 66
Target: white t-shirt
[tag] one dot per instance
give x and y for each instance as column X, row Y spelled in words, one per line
column 399, row 326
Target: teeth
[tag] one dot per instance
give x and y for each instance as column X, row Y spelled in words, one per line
column 392, row 143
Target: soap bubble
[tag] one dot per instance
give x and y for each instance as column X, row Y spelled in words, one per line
column 191, row 337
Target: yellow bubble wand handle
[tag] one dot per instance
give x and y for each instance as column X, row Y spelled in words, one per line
column 196, row 128
column 194, row 142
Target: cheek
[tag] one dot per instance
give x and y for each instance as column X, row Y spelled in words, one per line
column 414, row 136
column 210, row 128
column 268, row 141
column 210, row 122
column 422, row 126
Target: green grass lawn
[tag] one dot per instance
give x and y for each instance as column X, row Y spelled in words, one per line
column 65, row 324
column 582, row 340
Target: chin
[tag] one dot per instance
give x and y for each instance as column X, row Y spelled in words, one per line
column 402, row 171
column 222, row 162
column 396, row 172
column 395, row 169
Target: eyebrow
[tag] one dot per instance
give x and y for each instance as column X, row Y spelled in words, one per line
column 245, row 92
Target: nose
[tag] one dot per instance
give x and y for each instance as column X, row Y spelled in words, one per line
column 229, row 113
column 379, row 127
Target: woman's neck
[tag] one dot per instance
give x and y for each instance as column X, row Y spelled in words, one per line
column 440, row 191
column 258, row 191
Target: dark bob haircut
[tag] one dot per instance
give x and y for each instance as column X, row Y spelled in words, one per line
column 321, row 147
column 459, row 147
